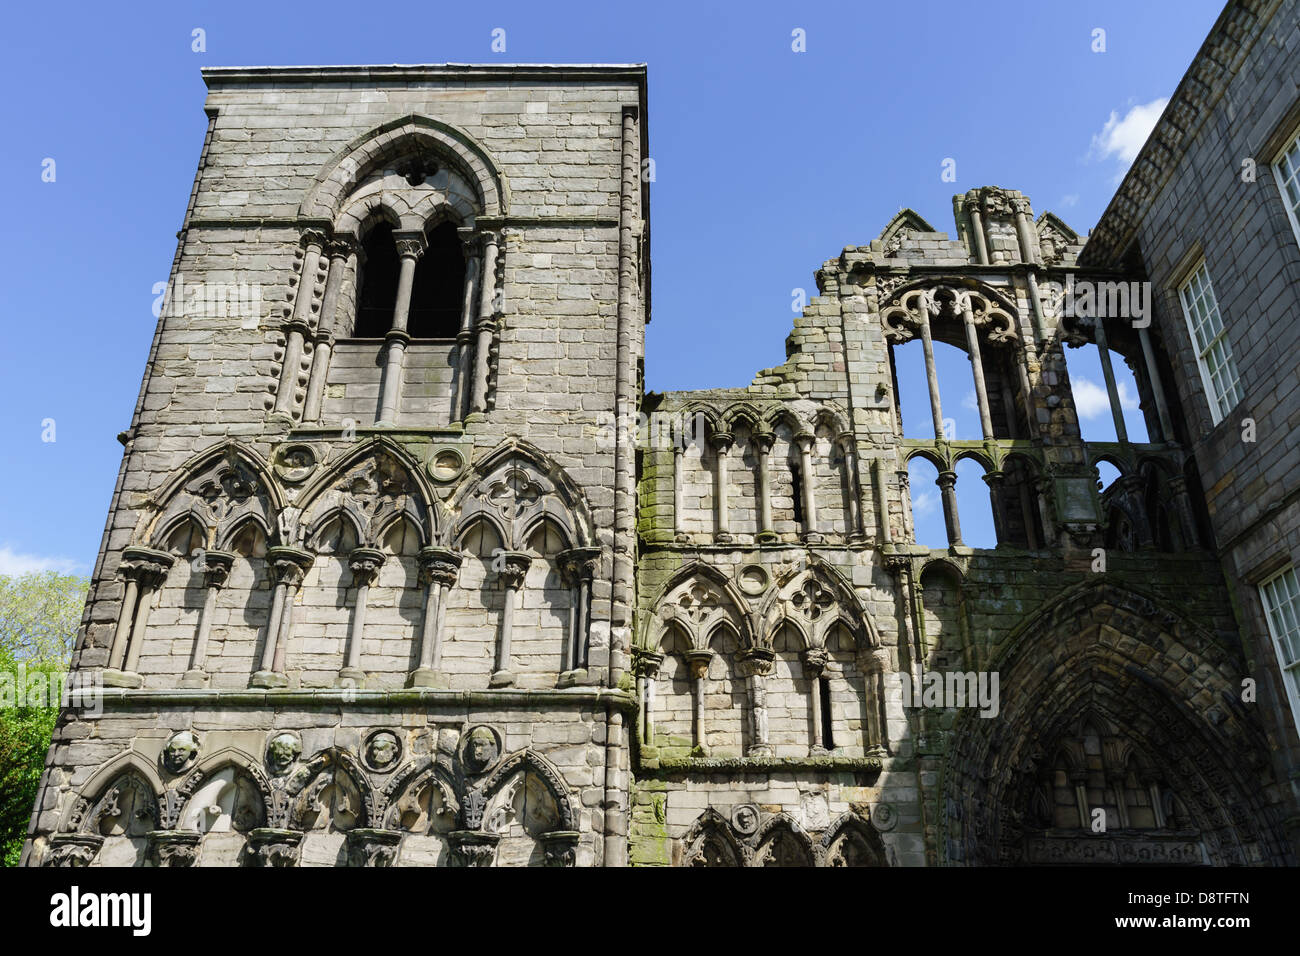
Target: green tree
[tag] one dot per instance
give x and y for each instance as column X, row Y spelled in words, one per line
column 39, row 614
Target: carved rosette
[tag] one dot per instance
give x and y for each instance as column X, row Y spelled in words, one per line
column 561, row 847
column 471, row 848
column 371, row 847
column 174, row 847
column 439, row 566
column 274, row 847
column 72, row 849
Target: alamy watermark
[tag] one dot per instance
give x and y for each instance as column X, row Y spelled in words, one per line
column 81, row 690
column 209, row 300
column 952, row 689
column 1088, row 299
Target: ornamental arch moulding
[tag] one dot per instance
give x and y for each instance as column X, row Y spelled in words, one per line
column 517, row 488
column 219, row 491
column 813, row 600
column 698, row 598
column 409, row 135
column 374, row 486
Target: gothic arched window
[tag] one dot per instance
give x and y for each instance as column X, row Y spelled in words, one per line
column 438, row 292
column 377, row 269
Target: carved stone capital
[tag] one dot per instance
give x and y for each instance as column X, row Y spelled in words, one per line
column 561, row 847
column 511, row 567
column 216, row 566
column 72, row 849
column 763, row 440
column 815, row 660
column 699, row 659
column 371, row 847
column 145, row 566
column 272, row 846
column 756, row 661
column 875, row 661
column 312, row 236
column 289, row 564
column 580, row 564
column 473, row 847
column 410, row 245
column 439, row 565
column 340, row 247
column 174, row 847
column 721, row 441
column 365, row 564
column 805, row 440
column 646, row 663
column 946, row 480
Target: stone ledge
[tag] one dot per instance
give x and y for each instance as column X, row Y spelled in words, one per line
column 122, row 698
column 724, row 765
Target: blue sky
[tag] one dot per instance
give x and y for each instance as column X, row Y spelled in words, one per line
column 768, row 162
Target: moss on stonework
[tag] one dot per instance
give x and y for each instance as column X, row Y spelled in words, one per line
column 648, row 842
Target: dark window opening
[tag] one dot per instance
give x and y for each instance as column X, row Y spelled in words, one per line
column 438, row 293
column 796, row 489
column 828, row 738
column 377, row 269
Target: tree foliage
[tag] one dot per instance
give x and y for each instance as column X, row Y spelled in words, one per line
column 39, row 614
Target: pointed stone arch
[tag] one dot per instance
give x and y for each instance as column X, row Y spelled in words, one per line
column 781, row 841
column 530, row 761
column 718, row 598
column 218, row 489
column 408, row 783
column 906, row 221
column 852, row 841
column 1105, row 649
column 308, row 782
column 375, row 484
column 515, row 486
column 814, row 618
column 96, row 796
column 710, row 842
column 209, row 767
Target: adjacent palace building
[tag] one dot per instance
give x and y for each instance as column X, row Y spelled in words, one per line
column 404, row 568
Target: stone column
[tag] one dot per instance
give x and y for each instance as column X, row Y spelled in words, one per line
column 646, row 664
column 410, row 246
column 288, row 567
column 882, row 501
column 339, row 252
column 216, row 567
column 1022, row 370
column 465, row 335
column 812, row 533
column 977, row 364
column 698, row 660
column 721, row 443
column 905, row 493
column 579, row 567
column 848, row 448
column 947, row 482
column 875, row 666
column 994, row 480
column 1157, row 390
column 763, row 442
column 299, row 327
column 514, row 567
column 144, row 570
column 1108, row 373
column 485, row 328
column 1036, row 308
column 679, row 454
column 977, row 231
column 1024, row 231
column 931, row 374
column 439, row 568
column 364, row 564
column 814, row 664
column 756, row 664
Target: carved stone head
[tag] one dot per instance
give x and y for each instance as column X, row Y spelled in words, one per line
column 382, row 750
column 180, row 752
column 281, row 752
column 481, row 749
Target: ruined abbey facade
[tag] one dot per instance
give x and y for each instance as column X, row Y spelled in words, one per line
column 403, row 567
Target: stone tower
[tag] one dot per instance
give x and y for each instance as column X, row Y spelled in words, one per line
column 368, row 568
column 403, row 569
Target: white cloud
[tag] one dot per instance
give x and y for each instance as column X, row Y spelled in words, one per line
column 13, row 563
column 925, row 504
column 1091, row 401
column 970, row 401
column 1123, row 137
column 1069, row 199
